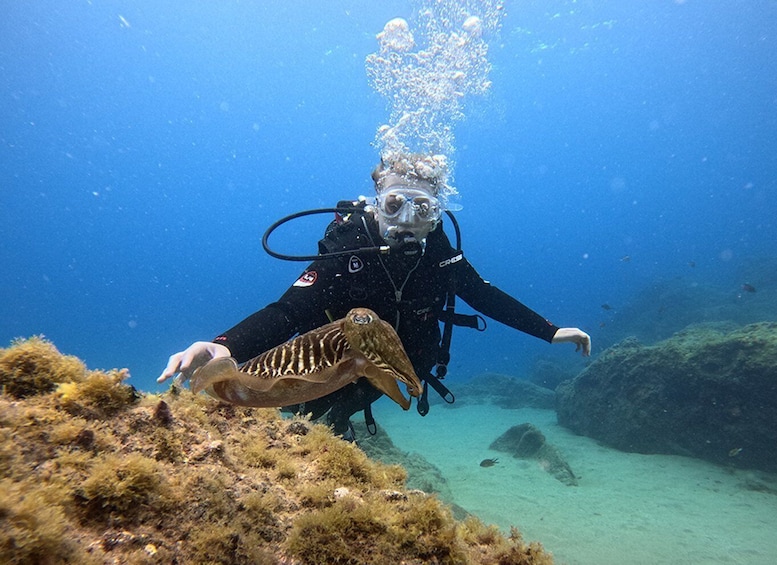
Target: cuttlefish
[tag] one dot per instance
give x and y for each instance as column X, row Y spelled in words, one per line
column 315, row 364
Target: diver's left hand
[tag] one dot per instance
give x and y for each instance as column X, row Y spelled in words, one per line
column 574, row 335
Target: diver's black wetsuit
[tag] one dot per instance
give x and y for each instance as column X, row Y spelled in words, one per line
column 409, row 293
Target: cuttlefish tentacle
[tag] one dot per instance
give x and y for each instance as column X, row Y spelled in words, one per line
column 387, row 361
column 315, row 364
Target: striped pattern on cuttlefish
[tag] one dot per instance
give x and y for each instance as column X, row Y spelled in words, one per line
column 315, row 364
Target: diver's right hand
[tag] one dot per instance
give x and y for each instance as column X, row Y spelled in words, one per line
column 192, row 358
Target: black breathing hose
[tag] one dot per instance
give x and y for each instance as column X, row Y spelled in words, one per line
column 333, row 255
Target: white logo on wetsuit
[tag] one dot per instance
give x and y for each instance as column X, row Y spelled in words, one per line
column 355, row 264
column 424, row 313
column 452, row 260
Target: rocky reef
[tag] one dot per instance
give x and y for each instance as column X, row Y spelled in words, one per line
column 665, row 307
column 709, row 391
column 421, row 474
column 94, row 472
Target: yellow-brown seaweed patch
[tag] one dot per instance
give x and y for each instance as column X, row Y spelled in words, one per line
column 93, row 472
column 34, row 366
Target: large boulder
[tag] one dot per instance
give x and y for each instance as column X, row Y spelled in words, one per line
column 708, row 392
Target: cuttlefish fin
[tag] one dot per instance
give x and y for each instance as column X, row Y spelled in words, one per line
column 386, row 382
column 260, row 383
column 222, row 379
column 214, row 371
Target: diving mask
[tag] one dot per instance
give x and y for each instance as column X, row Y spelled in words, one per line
column 406, row 216
column 408, row 205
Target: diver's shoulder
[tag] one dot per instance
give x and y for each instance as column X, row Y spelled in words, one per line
column 438, row 240
column 350, row 227
column 351, row 215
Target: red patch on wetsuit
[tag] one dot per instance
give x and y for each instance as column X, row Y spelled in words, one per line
column 307, row 279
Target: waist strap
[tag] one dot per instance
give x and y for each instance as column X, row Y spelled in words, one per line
column 474, row 321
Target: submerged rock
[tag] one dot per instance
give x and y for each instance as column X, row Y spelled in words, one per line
column 707, row 392
column 525, row 441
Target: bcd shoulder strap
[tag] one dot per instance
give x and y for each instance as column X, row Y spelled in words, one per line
column 449, row 318
column 343, row 232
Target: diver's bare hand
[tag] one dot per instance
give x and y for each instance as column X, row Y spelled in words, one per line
column 574, row 335
column 191, row 359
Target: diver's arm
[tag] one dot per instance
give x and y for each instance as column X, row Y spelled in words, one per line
column 494, row 303
column 259, row 332
column 489, row 300
column 301, row 308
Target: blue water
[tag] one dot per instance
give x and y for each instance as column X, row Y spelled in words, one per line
column 146, row 146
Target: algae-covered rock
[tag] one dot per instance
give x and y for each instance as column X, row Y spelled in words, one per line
column 421, row 474
column 34, row 366
column 707, row 392
column 93, row 472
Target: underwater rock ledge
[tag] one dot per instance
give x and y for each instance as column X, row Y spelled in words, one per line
column 91, row 471
column 706, row 392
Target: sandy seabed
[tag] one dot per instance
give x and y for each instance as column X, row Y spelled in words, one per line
column 628, row 508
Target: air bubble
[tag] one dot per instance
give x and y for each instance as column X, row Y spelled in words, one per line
column 426, row 69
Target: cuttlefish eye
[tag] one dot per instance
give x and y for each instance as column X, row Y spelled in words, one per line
column 361, row 318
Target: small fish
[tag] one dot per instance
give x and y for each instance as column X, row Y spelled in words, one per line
column 606, row 306
column 734, row 452
column 602, row 324
column 747, row 287
column 489, row 462
column 626, row 258
column 692, row 264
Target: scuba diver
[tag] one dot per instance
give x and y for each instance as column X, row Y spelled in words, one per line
column 412, row 284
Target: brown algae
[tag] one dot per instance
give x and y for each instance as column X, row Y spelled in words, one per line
column 92, row 471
